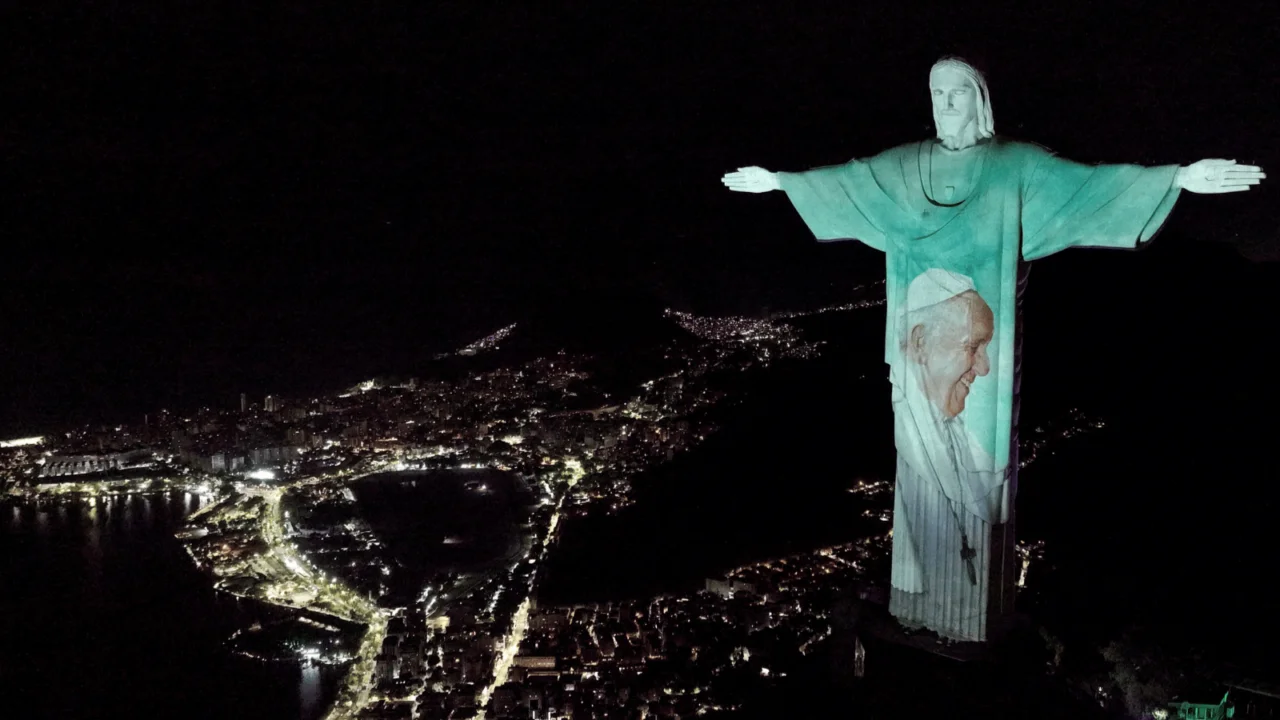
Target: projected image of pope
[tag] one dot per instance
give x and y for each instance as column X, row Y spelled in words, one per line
column 948, row 328
column 948, row 491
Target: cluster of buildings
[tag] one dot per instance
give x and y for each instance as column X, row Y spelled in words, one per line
column 444, row 653
column 676, row 656
column 440, row 656
column 225, row 539
column 65, row 465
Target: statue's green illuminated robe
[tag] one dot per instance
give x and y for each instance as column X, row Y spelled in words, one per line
column 1024, row 203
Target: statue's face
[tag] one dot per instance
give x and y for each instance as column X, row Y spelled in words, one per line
column 955, row 100
column 952, row 351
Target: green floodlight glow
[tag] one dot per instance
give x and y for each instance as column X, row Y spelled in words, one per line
column 957, row 217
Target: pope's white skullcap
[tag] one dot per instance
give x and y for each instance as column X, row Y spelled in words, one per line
column 936, row 285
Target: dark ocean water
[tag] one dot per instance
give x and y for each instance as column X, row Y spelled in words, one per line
column 103, row 615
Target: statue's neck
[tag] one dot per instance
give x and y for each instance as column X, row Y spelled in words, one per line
column 966, row 138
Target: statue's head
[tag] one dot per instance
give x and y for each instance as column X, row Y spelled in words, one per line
column 948, row 328
column 960, row 98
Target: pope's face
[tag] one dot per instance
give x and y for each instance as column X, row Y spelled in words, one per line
column 955, row 102
column 953, row 352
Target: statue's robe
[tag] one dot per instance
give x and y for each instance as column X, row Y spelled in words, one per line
column 1023, row 203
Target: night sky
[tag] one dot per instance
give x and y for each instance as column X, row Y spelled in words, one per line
column 205, row 199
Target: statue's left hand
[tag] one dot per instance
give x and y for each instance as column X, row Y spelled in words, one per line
column 1218, row 176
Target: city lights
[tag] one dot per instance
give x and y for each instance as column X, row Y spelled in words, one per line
column 270, row 532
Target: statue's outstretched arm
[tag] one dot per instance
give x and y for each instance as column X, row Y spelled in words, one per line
column 751, row 179
column 1211, row 177
column 837, row 202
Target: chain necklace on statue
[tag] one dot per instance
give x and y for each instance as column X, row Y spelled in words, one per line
column 949, row 189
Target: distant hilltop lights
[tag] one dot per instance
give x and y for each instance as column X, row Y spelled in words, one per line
column 768, row 340
column 365, row 386
column 488, row 342
column 360, row 388
column 732, row 328
column 742, row 328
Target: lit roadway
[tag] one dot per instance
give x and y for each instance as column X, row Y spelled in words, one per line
column 519, row 623
column 329, row 592
column 333, row 597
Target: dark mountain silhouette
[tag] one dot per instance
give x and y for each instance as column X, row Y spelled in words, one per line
column 1165, row 517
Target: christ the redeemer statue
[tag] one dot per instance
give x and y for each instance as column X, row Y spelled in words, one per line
column 956, row 217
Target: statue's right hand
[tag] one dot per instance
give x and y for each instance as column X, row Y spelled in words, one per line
column 751, row 179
